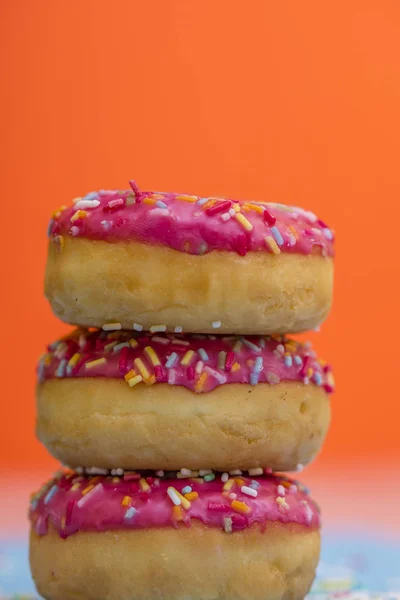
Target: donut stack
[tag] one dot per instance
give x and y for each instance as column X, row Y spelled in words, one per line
column 178, row 398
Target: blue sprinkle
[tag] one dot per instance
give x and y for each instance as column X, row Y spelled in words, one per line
column 288, row 361
column 277, row 235
column 258, row 365
column 41, row 372
column 119, row 347
column 186, row 490
column 254, row 484
column 50, row 494
column 202, row 201
column 203, row 354
column 60, row 372
column 254, row 378
column 171, row 360
column 34, row 503
column 328, row 233
column 251, row 345
column 106, row 224
column 50, row 227
column 131, row 512
column 298, row 360
column 317, row 378
column 90, row 196
column 161, row 204
column 261, row 342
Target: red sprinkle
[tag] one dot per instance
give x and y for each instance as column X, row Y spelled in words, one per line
column 68, row 514
column 190, row 373
column 239, row 521
column 160, row 374
column 123, row 360
column 269, row 218
column 219, row 207
column 230, row 357
column 131, row 476
column 306, row 362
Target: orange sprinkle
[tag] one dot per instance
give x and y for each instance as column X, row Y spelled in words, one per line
column 75, row 487
column 177, row 513
column 200, row 382
column 87, row 490
column 255, row 207
column 239, row 481
column 126, row 500
column 129, row 375
column 240, row 507
column 186, row 198
column 144, row 486
column 235, row 367
column 149, row 200
column 192, row 496
column 294, row 231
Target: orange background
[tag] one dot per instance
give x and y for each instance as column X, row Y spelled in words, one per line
column 288, row 101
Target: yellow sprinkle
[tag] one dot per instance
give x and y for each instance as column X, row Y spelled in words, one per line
column 272, row 245
column 95, row 363
column 210, row 202
column 133, row 343
column 144, row 486
column 255, row 207
column 115, row 479
column 129, row 375
column 149, row 200
column 177, row 513
column 185, row 502
column 152, row 355
column 200, row 382
column 110, row 346
column 59, row 241
column 192, row 496
column 330, row 378
column 142, row 368
column 126, row 501
column 195, row 477
column 240, row 507
column 111, row 326
column 87, row 489
column 187, row 358
column 186, row 198
column 245, row 223
column 310, row 371
column 294, row 231
column 236, row 207
column 74, row 359
column 75, row 487
column 135, row 380
column 63, row 521
column 282, row 502
column 239, row 481
column 80, row 214
column 228, row 485
column 57, row 213
column 235, row 367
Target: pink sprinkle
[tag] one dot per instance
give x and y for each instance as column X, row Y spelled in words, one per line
column 135, row 190
column 68, row 514
column 268, row 471
column 239, row 521
column 328, row 388
column 269, row 218
column 190, row 373
column 123, row 360
column 230, row 357
column 150, row 480
column 113, row 205
column 218, row 207
column 322, row 224
column 160, row 373
column 218, row 507
column 131, row 476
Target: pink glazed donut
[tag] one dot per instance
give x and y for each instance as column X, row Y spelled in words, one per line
column 172, row 262
column 154, row 535
column 167, row 401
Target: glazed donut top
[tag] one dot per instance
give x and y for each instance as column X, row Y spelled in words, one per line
column 72, row 503
column 197, row 362
column 192, row 224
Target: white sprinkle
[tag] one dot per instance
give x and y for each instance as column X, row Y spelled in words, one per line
column 308, row 513
column 112, row 326
column 97, row 488
column 235, row 472
column 306, row 380
column 199, row 367
column 160, row 473
column 158, row 328
column 159, row 212
column 258, row 365
column 245, row 489
column 131, row 512
column 225, row 216
column 261, row 343
column 250, row 345
column 272, row 378
column 203, row 472
column 232, row 496
column 119, row 471
column 74, row 231
column 256, row 471
column 202, row 201
column 203, row 354
column 299, row 467
column 87, row 204
column 281, row 490
column 224, row 477
column 106, row 224
column 137, row 327
column 96, row 471
column 221, row 360
column 218, row 376
column 174, row 496
column 178, row 329
column 180, row 342
column 216, row 324
column 328, row 234
column 161, row 204
column 228, row 525
column 119, row 347
column 281, row 348
column 232, row 212
column 297, row 360
column 60, row 372
column 171, row 360
column 186, row 472
column 160, row 340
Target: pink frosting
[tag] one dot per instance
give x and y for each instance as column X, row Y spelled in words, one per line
column 197, row 362
column 72, row 503
column 192, row 224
